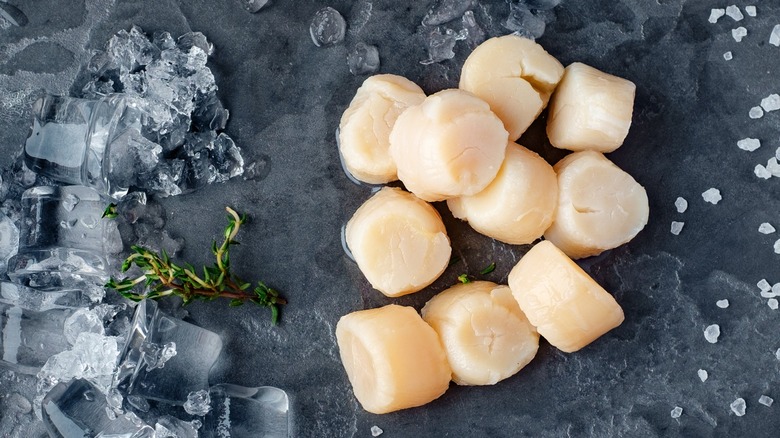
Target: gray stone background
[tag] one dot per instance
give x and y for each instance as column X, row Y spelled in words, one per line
column 286, row 96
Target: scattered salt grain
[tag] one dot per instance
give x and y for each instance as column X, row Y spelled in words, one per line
column 739, row 33
column 712, row 195
column 722, row 303
column 677, row 227
column 766, row 400
column 676, row 412
column 734, row 12
column 376, row 431
column 772, row 303
column 715, row 14
column 773, row 166
column 777, row 153
column 703, row 375
column 749, row 144
column 777, row 354
column 728, row 56
column 762, row 172
column 738, row 407
column 766, row 228
column 776, row 246
column 776, row 289
column 711, row 333
column 771, row 103
column 774, row 37
column 681, row 204
column 750, row 10
column 764, row 285
column 756, row 112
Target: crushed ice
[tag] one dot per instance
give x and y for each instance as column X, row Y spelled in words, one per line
column 198, row 403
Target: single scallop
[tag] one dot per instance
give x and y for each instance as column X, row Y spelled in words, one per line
column 590, row 110
column 393, row 359
column 364, row 131
column 562, row 301
column 519, row 205
column 398, row 241
column 450, row 145
column 485, row 335
column 515, row 75
column 600, row 206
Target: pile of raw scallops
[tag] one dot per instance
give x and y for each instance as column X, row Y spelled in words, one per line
column 459, row 146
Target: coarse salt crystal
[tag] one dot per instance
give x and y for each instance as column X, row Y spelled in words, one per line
column 677, row 227
column 681, row 204
column 764, row 285
column 715, row 14
column 711, row 333
column 772, row 303
column 712, row 195
column 676, row 412
column 774, row 37
column 703, row 375
column 734, row 12
column 376, row 431
column 777, row 354
column 749, row 144
column 762, row 172
column 722, row 303
column 776, row 246
column 728, row 56
column 777, row 153
column 775, row 290
column 738, row 407
column 756, row 112
column 766, row 228
column 766, row 400
column 739, row 33
column 773, row 166
column 750, row 10
column 771, row 102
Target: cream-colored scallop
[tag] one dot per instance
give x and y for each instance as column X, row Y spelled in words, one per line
column 515, row 75
column 590, row 110
column 398, row 241
column 566, row 305
column 600, row 206
column 485, row 335
column 365, row 126
column 393, row 359
column 519, row 205
column 450, row 145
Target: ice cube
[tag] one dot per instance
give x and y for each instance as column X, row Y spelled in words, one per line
column 198, row 403
column 750, row 10
column 749, row 144
column 60, row 247
column 774, row 37
column 766, row 228
column 9, row 241
column 363, row 59
column 254, row 5
column 723, row 304
column 676, row 412
column 82, row 321
column 703, row 375
column 92, row 357
column 187, row 371
column 327, row 27
column 681, row 204
column 439, row 44
column 766, row 400
column 739, row 33
column 771, row 103
column 715, row 14
column 474, row 33
column 738, row 407
column 444, row 11
column 239, row 411
column 79, row 409
column 677, row 227
column 712, row 195
column 711, row 333
column 734, row 12
column 756, row 112
column 521, row 21
column 728, row 56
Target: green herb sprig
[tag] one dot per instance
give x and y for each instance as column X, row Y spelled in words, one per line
column 161, row 277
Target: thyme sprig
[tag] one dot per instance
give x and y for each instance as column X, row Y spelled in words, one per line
column 161, row 277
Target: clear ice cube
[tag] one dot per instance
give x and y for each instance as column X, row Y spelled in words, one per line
column 79, row 409
column 61, row 241
column 440, row 44
column 521, row 21
column 363, row 59
column 327, row 27
column 92, row 357
column 187, row 371
column 237, row 411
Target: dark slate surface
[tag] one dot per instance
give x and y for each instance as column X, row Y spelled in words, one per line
column 286, row 96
